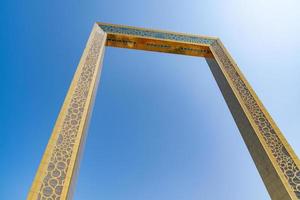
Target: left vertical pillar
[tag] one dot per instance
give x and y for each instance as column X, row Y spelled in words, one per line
column 56, row 174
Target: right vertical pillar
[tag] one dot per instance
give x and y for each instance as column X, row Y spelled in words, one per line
column 275, row 160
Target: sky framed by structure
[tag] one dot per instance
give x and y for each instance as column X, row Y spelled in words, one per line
column 274, row 158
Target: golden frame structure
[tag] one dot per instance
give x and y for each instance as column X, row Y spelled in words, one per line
column 275, row 160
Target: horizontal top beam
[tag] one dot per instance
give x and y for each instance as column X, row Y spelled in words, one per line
column 155, row 40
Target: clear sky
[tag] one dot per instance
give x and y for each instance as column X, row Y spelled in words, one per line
column 160, row 128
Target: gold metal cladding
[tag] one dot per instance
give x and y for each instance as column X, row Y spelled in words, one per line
column 275, row 160
column 165, row 46
column 159, row 41
column 55, row 176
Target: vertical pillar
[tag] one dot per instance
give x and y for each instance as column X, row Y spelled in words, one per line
column 57, row 171
column 274, row 158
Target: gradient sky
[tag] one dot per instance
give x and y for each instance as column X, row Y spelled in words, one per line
column 160, row 128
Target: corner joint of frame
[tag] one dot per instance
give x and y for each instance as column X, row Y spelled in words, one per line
column 97, row 27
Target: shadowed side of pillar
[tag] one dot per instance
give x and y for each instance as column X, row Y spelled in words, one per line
column 266, row 169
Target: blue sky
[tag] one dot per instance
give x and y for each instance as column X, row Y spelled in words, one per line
column 160, row 127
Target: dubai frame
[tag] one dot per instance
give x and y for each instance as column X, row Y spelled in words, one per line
column 275, row 160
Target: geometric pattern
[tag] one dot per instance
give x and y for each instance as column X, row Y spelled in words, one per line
column 56, row 175
column 56, row 179
column 53, row 182
column 155, row 34
column 283, row 158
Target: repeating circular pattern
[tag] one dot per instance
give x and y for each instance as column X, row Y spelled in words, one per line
column 53, row 182
column 283, row 158
column 155, row 34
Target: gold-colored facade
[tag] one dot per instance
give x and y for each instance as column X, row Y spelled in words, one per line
column 275, row 160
